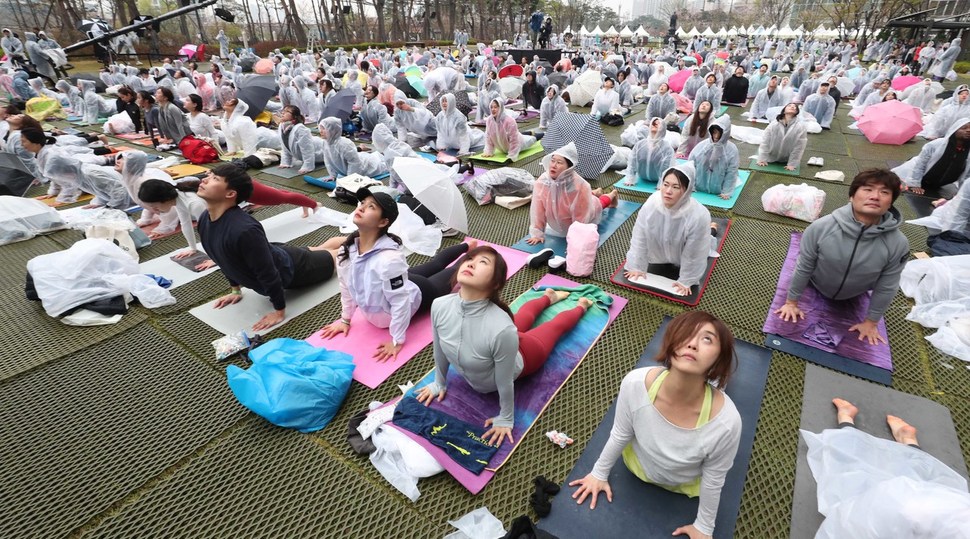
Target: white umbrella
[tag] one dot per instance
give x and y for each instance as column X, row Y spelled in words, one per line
column 845, row 85
column 434, row 188
column 511, row 86
column 583, row 89
column 611, row 32
column 626, row 32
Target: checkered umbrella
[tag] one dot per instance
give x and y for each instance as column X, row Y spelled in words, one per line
column 461, row 101
column 594, row 151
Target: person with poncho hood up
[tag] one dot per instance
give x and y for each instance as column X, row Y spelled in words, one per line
column 93, row 103
column 37, row 84
column 374, row 112
column 21, row 87
column 854, row 250
column 758, row 81
column 651, row 156
column 453, row 130
column 562, row 197
column 946, row 60
column 391, row 148
column 785, row 139
column 104, row 182
column 414, row 119
column 11, row 45
column 341, row 157
column 693, row 83
column 502, row 133
column 241, row 131
column 551, row 105
column 308, row 102
column 709, row 92
column 297, row 143
column 949, row 113
column 821, row 105
column 75, row 101
column 942, row 165
column 486, row 94
column 672, row 228
column 716, row 160
column 134, row 172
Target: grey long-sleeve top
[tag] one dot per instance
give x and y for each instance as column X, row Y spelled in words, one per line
column 480, row 341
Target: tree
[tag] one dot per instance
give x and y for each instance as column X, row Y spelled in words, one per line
column 776, row 12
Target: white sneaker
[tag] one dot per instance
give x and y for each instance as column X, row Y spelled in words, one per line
column 446, row 231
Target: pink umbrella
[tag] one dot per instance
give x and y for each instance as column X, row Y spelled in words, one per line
column 891, row 122
column 263, row 67
column 677, row 80
column 902, row 82
column 188, row 50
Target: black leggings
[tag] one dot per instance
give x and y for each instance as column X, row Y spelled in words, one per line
column 433, row 278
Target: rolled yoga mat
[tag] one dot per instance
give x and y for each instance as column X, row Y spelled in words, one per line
column 936, row 433
column 652, row 511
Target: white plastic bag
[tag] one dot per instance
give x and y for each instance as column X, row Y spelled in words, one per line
column 802, row 201
column 24, row 218
column 416, row 236
column 582, row 240
column 402, row 461
column 953, row 338
column 478, row 524
column 76, row 276
column 80, row 218
column 149, row 293
column 937, row 279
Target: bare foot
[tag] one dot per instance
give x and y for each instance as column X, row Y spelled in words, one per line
column 614, row 198
column 846, row 411
column 585, row 303
column 555, row 296
column 597, row 192
column 903, row 432
column 472, row 244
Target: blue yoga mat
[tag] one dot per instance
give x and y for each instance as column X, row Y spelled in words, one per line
column 613, row 218
column 651, row 510
column 830, row 360
column 707, row 199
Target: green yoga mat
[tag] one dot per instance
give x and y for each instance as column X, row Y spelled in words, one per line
column 707, row 199
column 722, row 110
column 501, row 157
column 774, row 168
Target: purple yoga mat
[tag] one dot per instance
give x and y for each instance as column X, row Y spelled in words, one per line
column 465, row 177
column 532, row 394
column 827, row 322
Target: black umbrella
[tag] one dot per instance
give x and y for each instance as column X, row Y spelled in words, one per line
column 461, row 101
column 93, row 27
column 247, row 64
column 256, row 91
column 225, row 14
column 559, row 79
column 15, row 179
column 401, row 83
column 341, row 105
column 156, row 26
column 99, row 86
column 594, row 152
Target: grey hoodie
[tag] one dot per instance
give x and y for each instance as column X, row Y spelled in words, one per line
column 843, row 259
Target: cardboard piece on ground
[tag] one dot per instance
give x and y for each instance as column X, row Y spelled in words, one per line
column 651, row 510
column 937, row 435
column 53, row 203
column 185, row 170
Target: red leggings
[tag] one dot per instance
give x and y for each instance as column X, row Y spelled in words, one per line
column 535, row 344
column 264, row 195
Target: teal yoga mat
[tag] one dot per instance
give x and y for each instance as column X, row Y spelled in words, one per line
column 707, row 199
column 775, row 168
column 613, row 218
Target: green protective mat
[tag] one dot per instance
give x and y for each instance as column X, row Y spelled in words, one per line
column 101, row 424
column 774, row 168
column 707, row 199
column 501, row 157
column 749, row 203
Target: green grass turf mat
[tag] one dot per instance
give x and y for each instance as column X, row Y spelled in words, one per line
column 774, row 168
column 749, row 203
column 102, row 423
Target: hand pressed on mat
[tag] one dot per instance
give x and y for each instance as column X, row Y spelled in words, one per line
column 691, row 532
column 335, row 329
column 869, row 331
column 387, row 351
column 426, row 397
column 270, row 320
column 591, row 485
column 495, row 435
column 789, row 312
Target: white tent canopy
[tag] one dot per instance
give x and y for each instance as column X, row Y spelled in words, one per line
column 708, row 32
column 786, row 31
column 751, row 30
column 641, row 32
column 597, row 31
column 611, row 32
column 626, row 32
column 733, row 31
column 722, row 32
column 681, row 32
column 583, row 31
column 568, row 30
column 693, row 32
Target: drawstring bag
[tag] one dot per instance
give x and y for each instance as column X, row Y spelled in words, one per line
column 116, row 234
column 582, row 240
column 197, row 151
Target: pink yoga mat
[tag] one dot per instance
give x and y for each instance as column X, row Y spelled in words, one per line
column 364, row 337
column 475, row 483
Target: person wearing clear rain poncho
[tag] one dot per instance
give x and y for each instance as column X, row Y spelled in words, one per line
column 651, row 156
column 308, row 102
column 241, row 131
column 37, row 84
column 298, row 143
column 453, row 130
column 692, row 84
column 946, row 60
column 412, row 118
column 672, row 228
column 75, row 101
column 373, row 112
column 709, row 92
column 551, row 105
column 93, row 103
column 942, row 165
column 104, row 182
column 391, row 148
column 785, row 139
column 486, row 94
column 716, row 160
column 949, row 113
column 341, row 157
column 561, row 197
column 662, row 104
column 134, row 172
column 606, row 101
column 768, row 97
column 822, row 106
column 502, row 133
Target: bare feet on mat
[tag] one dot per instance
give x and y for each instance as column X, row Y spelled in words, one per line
column 845, row 411
column 555, row 296
column 585, row 303
column 903, row 432
column 614, row 198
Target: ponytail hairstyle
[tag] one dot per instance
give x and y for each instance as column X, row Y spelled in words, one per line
column 153, row 191
column 37, row 136
column 499, row 271
column 197, row 101
column 345, row 246
column 29, row 122
column 167, row 92
column 295, row 113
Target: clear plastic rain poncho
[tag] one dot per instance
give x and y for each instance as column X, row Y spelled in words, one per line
column 242, row 134
column 560, row 202
column 453, row 130
column 390, row 147
column 374, row 113
column 308, row 102
column 716, row 163
column 486, row 94
column 680, row 235
column 949, row 113
column 913, row 171
column 419, row 121
column 872, row 487
column 651, row 155
column 134, row 172
column 502, row 134
column 74, row 99
column 93, row 103
column 784, row 142
column 341, row 156
column 299, row 144
column 661, row 105
column 551, row 106
column 62, row 166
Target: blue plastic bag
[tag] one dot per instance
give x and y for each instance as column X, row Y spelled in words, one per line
column 293, row 384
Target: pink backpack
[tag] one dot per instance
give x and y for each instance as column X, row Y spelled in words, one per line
column 582, row 239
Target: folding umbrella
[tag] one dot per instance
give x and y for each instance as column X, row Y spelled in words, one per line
column 248, row 63
column 594, row 151
column 188, row 50
column 514, row 70
column 461, row 101
column 418, row 85
column 341, row 105
column 557, row 78
column 434, row 188
column 256, row 91
column 891, row 122
column 414, row 71
column 404, row 84
column 15, row 179
column 511, row 86
column 583, row 89
column 677, row 80
column 902, row 82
